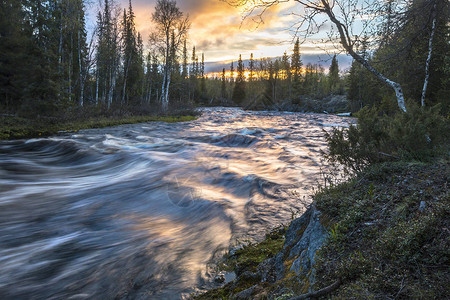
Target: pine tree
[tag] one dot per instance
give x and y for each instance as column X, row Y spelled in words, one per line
column 14, row 40
column 239, row 88
column 108, row 55
column 193, row 74
column 296, row 65
column 333, row 77
column 203, row 78
column 184, row 73
column 286, row 67
column 354, row 87
column 133, row 62
column 251, row 68
column 232, row 71
column 224, row 86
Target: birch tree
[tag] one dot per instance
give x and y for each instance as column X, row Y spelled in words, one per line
column 343, row 16
column 171, row 30
column 108, row 53
column 430, row 51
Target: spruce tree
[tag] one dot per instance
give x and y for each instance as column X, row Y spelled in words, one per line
column 193, row 75
column 296, row 65
column 333, row 77
column 15, row 39
column 203, row 76
column 287, row 74
column 184, row 73
column 224, row 87
column 239, row 88
column 232, row 71
column 251, row 68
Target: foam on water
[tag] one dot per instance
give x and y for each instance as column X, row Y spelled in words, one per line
column 138, row 211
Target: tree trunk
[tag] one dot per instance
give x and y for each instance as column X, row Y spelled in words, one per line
column 166, row 77
column 430, row 50
column 125, row 78
column 149, row 98
column 80, row 66
column 60, row 47
column 70, row 66
column 96, row 86
column 348, row 46
column 166, row 96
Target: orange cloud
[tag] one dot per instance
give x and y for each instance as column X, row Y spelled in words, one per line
column 219, row 31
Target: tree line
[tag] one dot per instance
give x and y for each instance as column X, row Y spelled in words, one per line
column 400, row 48
column 413, row 51
column 272, row 82
column 48, row 63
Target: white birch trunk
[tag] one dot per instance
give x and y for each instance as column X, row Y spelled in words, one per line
column 80, row 66
column 430, row 50
column 60, row 47
column 348, row 46
column 165, row 106
column 166, row 77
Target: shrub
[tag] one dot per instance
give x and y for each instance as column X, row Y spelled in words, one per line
column 419, row 134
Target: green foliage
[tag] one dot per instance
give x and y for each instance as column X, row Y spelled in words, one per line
column 251, row 255
column 247, row 259
column 381, row 243
column 334, row 81
column 19, row 128
column 296, row 65
column 240, row 86
column 418, row 134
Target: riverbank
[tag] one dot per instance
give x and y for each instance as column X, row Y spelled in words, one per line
column 382, row 235
column 12, row 127
column 330, row 104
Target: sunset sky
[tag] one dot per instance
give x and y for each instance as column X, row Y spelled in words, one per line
column 218, row 30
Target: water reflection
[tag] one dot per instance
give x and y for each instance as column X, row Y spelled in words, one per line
column 137, row 211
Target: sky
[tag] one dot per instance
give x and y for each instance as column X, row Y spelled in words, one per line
column 219, row 31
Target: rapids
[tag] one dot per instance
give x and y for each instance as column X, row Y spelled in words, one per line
column 138, row 211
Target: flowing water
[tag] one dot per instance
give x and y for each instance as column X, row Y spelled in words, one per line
column 138, row 211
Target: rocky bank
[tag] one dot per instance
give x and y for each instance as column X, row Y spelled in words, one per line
column 382, row 235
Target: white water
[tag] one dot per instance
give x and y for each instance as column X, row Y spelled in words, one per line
column 138, row 211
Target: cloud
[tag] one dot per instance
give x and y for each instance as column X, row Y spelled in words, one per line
column 219, row 31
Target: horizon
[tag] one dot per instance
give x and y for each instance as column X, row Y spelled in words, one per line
column 220, row 32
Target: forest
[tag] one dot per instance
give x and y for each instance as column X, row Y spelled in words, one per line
column 136, row 164
column 50, row 66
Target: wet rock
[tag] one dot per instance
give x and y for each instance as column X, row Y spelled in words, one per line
column 220, row 278
column 295, row 230
column 306, row 248
column 266, row 270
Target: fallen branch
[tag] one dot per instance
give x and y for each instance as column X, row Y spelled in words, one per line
column 319, row 293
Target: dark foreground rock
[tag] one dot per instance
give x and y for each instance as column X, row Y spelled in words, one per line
column 382, row 235
column 295, row 262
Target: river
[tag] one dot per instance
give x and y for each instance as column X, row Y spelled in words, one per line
column 138, row 211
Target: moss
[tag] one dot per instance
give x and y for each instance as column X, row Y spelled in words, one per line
column 19, row 128
column 250, row 256
column 381, row 245
column 247, row 259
